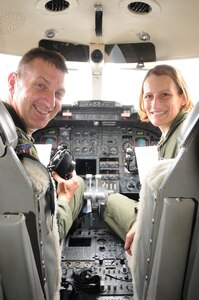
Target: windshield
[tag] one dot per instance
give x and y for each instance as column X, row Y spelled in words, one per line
column 117, row 82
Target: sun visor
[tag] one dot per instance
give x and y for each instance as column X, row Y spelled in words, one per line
column 115, row 53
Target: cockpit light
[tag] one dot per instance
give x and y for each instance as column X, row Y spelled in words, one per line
column 126, row 114
column 67, row 114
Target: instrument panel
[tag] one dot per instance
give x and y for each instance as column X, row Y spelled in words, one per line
column 102, row 138
column 102, row 145
column 102, row 256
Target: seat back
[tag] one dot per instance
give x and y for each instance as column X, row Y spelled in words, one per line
column 166, row 260
column 27, row 223
column 19, row 275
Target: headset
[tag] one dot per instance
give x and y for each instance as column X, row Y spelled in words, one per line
column 62, row 162
column 84, row 282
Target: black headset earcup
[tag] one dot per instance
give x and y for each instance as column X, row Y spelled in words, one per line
column 87, row 282
column 85, row 276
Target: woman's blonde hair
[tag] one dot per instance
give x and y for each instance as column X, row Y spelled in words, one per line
column 177, row 78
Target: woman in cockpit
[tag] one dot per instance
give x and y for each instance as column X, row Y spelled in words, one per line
column 165, row 102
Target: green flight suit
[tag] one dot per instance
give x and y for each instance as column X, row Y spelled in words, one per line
column 120, row 211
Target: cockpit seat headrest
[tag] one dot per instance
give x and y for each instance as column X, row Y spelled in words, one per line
column 8, row 134
column 188, row 125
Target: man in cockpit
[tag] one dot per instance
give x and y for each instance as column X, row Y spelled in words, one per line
column 35, row 96
column 165, row 102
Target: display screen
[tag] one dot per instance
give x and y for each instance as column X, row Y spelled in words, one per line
column 79, row 242
column 141, row 142
column 49, row 140
column 86, row 166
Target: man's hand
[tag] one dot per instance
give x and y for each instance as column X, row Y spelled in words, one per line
column 129, row 239
column 66, row 188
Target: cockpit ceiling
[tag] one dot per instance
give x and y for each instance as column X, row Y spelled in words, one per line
column 172, row 26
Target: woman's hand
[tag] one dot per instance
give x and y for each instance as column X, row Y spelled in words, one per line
column 66, row 188
column 129, row 239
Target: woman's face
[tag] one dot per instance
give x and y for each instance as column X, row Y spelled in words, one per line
column 162, row 101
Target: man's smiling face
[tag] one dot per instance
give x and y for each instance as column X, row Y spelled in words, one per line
column 37, row 93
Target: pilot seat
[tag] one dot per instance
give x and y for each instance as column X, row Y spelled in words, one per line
column 29, row 242
column 165, row 261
